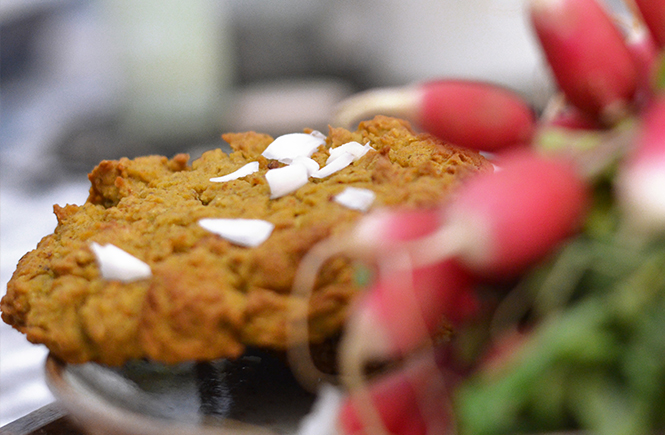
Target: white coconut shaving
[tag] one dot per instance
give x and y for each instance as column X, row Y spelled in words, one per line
column 356, row 198
column 244, row 232
column 342, row 156
column 318, row 134
column 322, row 420
column 287, row 147
column 295, row 150
column 246, row 170
column 287, row 179
column 118, row 265
column 341, row 162
column 354, row 148
column 310, row 164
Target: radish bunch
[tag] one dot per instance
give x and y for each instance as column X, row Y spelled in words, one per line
column 592, row 167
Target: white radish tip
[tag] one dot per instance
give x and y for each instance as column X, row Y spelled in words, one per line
column 642, row 195
column 399, row 102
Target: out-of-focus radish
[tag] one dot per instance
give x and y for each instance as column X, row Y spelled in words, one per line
column 471, row 114
column 588, row 56
column 641, row 180
column 474, row 115
column 497, row 225
column 500, row 223
column 406, row 307
column 569, row 117
column 645, row 52
column 653, row 14
column 412, row 401
column 380, row 231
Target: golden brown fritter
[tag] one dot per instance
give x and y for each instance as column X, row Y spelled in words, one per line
column 208, row 298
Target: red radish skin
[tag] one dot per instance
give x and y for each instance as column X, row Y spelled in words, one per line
column 645, row 54
column 653, row 15
column 650, row 143
column 390, row 227
column 511, row 218
column 496, row 226
column 397, row 405
column 571, row 118
column 475, row 115
column 588, row 56
column 408, row 306
column 467, row 113
column 641, row 179
column 412, row 401
column 377, row 234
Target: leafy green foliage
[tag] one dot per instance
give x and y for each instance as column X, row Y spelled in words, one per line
column 595, row 357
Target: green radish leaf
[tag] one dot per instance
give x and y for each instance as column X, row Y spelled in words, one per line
column 660, row 73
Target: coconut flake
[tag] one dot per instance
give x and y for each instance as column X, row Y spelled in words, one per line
column 287, row 147
column 354, row 148
column 283, row 181
column 244, row 232
column 318, row 134
column 310, row 164
column 116, row 264
column 340, row 162
column 341, row 157
column 356, row 198
column 246, row 170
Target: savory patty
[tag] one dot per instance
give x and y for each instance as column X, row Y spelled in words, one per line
column 206, row 295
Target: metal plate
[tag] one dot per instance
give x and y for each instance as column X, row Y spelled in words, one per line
column 253, row 394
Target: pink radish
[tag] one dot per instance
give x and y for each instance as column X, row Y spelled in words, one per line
column 471, row 114
column 569, row 117
column 645, row 55
column 393, row 226
column 501, row 223
column 475, row 115
column 497, row 225
column 412, row 401
column 405, row 307
column 378, row 232
column 641, row 180
column 653, row 14
column 588, row 56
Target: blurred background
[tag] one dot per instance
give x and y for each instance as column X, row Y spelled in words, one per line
column 86, row 80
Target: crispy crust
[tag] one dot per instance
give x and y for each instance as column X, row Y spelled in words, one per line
column 208, row 298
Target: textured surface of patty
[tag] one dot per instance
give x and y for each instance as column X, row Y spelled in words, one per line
column 207, row 297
